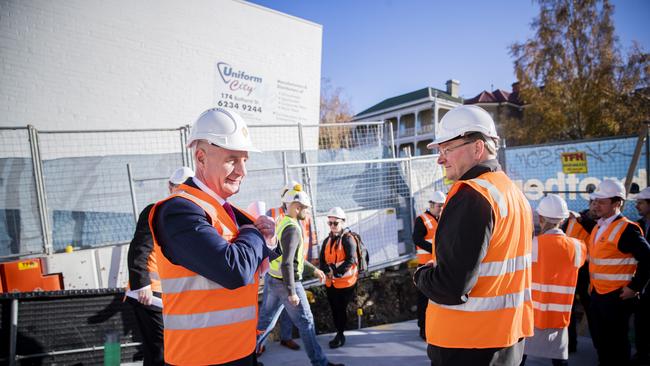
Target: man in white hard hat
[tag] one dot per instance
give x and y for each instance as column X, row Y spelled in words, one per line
column 283, row 283
column 642, row 312
column 619, row 258
column 480, row 307
column 340, row 262
column 144, row 282
column 556, row 261
column 209, row 252
column 424, row 233
column 309, row 239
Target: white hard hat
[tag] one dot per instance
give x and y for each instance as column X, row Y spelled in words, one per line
column 288, row 187
column 438, row 197
column 224, row 128
column 336, row 212
column 180, row 175
column 553, row 206
column 644, row 194
column 463, row 120
column 296, row 194
column 609, row 188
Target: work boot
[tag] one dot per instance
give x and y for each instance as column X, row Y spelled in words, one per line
column 290, row 344
column 338, row 341
column 335, row 364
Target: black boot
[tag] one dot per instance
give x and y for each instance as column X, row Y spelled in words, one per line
column 338, row 341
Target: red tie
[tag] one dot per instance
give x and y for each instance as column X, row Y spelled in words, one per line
column 230, row 212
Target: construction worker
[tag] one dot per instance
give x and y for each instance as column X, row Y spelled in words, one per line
column 480, row 307
column 619, row 256
column 209, row 251
column 424, row 233
column 282, row 284
column 309, row 238
column 144, row 282
column 556, row 261
column 642, row 311
column 338, row 259
column 579, row 226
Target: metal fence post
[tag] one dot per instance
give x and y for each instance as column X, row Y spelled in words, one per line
column 134, row 202
column 409, row 166
column 285, row 168
column 392, row 139
column 186, row 151
column 41, row 199
column 13, row 332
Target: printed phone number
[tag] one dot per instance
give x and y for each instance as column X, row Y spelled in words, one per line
column 241, row 107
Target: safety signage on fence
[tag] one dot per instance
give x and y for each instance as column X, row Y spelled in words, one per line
column 574, row 162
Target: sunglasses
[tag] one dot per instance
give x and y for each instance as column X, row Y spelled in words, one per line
column 333, row 223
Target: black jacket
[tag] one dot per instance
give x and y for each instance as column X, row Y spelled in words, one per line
column 139, row 250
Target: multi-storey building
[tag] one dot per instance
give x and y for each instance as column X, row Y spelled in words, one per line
column 414, row 116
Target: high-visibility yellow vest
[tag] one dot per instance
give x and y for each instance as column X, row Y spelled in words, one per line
column 275, row 270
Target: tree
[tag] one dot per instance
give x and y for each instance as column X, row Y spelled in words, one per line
column 573, row 78
column 334, row 109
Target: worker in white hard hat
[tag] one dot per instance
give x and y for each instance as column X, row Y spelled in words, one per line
column 339, row 261
column 283, row 283
column 579, row 225
column 619, row 259
column 556, row 260
column 424, row 233
column 210, row 252
column 642, row 311
column 145, row 290
column 479, row 288
column 309, row 238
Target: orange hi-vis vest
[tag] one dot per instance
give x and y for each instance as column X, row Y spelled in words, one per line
column 609, row 268
column 205, row 323
column 556, row 261
column 499, row 310
column 431, row 224
column 335, row 254
column 575, row 230
column 307, row 233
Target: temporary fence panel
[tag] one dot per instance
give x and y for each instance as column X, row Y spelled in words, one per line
column 544, row 168
column 87, row 183
column 20, row 224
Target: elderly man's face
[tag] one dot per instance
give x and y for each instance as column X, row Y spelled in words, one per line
column 222, row 170
column 457, row 156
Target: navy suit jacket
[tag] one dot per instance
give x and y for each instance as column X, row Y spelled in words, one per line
column 187, row 238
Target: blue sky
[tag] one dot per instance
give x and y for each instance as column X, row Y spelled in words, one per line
column 376, row 49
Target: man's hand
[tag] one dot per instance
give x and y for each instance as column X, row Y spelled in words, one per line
column 627, row 293
column 145, row 296
column 418, row 271
column 321, row 275
column 266, row 226
column 294, row 300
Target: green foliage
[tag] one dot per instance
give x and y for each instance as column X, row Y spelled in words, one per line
column 573, row 79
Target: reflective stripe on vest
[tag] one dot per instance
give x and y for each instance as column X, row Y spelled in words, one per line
column 204, row 323
column 609, row 268
column 498, row 311
column 552, row 307
column 502, row 302
column 191, row 283
column 553, row 288
column 274, row 268
column 209, row 319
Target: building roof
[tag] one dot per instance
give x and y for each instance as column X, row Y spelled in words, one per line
column 496, row 96
column 427, row 92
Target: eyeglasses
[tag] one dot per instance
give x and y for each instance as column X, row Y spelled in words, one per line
column 333, row 223
column 445, row 151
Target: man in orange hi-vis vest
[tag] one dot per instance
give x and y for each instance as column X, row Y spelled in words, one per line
column 144, row 292
column 480, row 307
column 209, row 252
column 424, row 232
column 619, row 265
column 556, row 260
